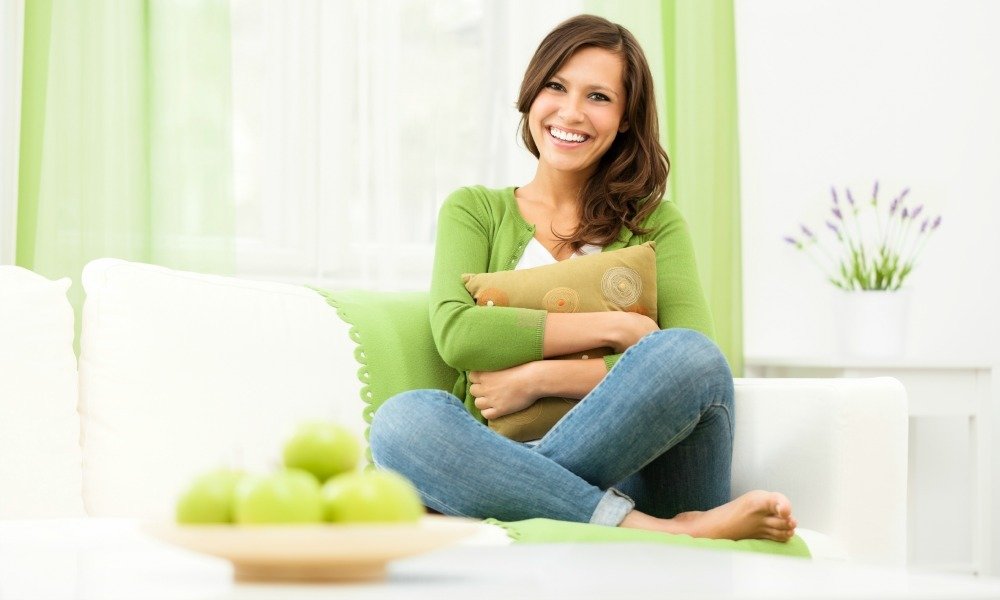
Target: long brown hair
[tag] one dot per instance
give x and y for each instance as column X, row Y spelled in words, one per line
column 631, row 177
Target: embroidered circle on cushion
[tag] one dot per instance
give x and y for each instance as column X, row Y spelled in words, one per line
column 492, row 297
column 561, row 300
column 621, row 285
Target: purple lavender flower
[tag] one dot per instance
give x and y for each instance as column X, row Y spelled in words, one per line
column 833, row 192
column 836, row 213
column 916, row 211
column 905, row 214
column 903, row 195
column 850, row 198
column 833, row 228
column 875, row 194
column 806, row 231
column 791, row 240
column 923, row 226
column 936, row 222
column 893, row 206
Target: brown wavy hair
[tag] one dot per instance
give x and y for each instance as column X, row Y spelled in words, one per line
column 631, row 177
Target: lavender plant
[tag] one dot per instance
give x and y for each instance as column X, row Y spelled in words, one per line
column 869, row 254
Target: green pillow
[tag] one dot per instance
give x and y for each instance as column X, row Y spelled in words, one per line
column 395, row 346
column 534, row 531
column 622, row 279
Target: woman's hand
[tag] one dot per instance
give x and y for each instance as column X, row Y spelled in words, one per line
column 500, row 393
column 631, row 328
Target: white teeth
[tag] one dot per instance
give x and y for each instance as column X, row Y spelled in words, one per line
column 566, row 136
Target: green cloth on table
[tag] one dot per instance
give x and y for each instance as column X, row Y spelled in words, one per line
column 538, row 531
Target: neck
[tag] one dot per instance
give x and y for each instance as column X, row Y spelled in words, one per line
column 559, row 189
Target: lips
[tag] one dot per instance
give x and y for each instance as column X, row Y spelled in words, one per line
column 567, row 136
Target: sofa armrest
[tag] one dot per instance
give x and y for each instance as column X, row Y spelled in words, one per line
column 838, row 449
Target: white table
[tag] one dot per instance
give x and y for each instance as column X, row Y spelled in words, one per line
column 935, row 389
column 100, row 559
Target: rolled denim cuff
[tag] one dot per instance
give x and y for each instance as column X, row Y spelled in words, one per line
column 612, row 508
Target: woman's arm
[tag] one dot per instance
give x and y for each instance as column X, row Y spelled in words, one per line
column 470, row 337
column 566, row 333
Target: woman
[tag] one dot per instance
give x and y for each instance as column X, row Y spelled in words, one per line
column 649, row 445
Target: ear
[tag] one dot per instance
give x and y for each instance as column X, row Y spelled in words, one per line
column 623, row 127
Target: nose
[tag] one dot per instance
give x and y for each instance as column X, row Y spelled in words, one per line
column 569, row 110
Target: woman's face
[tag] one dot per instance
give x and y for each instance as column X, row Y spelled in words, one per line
column 578, row 113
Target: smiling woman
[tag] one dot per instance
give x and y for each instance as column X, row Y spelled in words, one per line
column 649, row 444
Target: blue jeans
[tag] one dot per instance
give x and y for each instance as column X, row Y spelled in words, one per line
column 655, row 434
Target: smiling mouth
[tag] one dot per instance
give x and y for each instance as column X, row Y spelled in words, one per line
column 566, row 136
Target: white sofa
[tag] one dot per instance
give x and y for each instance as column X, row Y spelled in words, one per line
column 180, row 372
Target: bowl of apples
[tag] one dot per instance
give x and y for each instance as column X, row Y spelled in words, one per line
column 315, row 519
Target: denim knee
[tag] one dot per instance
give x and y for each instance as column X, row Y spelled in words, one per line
column 696, row 358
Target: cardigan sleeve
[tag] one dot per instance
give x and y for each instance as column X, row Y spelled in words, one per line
column 680, row 300
column 470, row 337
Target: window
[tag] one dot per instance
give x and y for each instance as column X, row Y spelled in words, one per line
column 353, row 120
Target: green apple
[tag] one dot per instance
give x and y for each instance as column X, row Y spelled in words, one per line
column 287, row 496
column 323, row 448
column 370, row 496
column 209, row 498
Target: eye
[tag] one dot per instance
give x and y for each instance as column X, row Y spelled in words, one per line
column 599, row 97
column 555, row 85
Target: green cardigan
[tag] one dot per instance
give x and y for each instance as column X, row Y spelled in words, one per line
column 481, row 230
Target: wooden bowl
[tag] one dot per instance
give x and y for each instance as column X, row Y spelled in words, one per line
column 320, row 552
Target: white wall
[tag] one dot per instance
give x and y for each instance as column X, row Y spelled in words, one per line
column 11, row 18
column 845, row 92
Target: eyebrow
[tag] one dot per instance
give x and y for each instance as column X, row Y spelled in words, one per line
column 594, row 87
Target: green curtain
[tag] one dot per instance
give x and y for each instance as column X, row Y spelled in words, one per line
column 690, row 45
column 125, row 136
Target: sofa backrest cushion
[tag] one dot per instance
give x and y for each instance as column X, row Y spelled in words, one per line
column 39, row 429
column 183, row 372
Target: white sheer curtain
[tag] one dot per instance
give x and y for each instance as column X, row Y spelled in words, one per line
column 11, row 28
column 354, row 119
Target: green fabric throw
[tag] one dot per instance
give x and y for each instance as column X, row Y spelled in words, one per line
column 540, row 531
column 396, row 350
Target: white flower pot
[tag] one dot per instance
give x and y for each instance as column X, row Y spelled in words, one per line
column 872, row 324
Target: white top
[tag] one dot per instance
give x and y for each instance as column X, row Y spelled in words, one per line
column 537, row 255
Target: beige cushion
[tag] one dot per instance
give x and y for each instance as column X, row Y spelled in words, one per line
column 622, row 279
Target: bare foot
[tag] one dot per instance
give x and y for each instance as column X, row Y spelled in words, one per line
column 754, row 515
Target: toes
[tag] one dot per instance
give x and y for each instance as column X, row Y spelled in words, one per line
column 778, row 535
column 778, row 523
column 780, row 505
